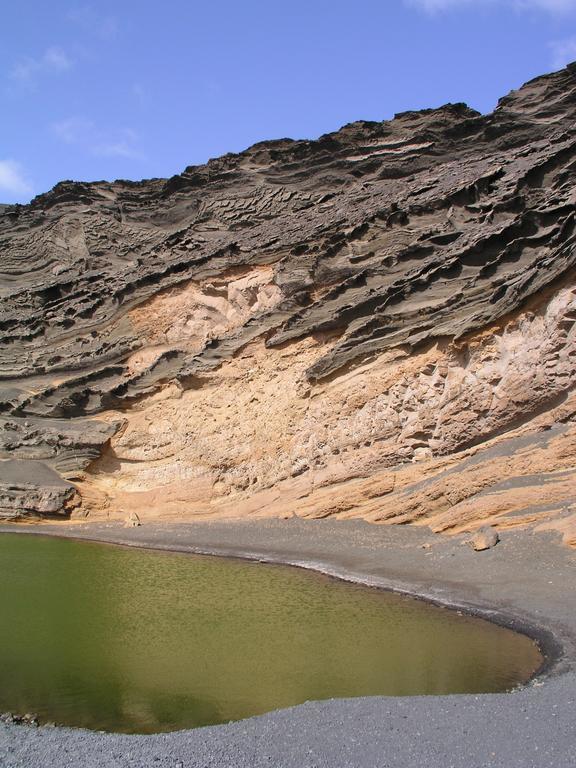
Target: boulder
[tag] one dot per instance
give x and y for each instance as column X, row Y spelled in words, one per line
column 485, row 538
column 132, row 521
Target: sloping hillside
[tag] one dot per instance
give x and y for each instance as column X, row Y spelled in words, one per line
column 376, row 324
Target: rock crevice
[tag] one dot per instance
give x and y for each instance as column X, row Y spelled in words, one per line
column 352, row 326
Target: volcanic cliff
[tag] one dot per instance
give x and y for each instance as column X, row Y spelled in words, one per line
column 377, row 324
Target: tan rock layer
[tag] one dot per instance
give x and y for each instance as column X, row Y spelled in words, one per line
column 376, row 324
column 423, row 438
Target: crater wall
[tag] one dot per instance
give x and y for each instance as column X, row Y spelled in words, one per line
column 376, row 324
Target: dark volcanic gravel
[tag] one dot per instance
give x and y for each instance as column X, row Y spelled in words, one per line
column 528, row 581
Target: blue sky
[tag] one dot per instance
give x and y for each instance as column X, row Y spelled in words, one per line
column 134, row 89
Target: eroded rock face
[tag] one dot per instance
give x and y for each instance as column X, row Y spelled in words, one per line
column 379, row 324
column 29, row 489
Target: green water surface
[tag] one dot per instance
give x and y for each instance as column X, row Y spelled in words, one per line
column 136, row 641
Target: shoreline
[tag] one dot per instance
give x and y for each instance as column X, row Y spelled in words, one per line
column 409, row 561
column 551, row 648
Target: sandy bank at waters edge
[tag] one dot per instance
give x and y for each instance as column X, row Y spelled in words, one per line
column 528, row 581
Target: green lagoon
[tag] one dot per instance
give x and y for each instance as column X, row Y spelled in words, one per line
column 117, row 639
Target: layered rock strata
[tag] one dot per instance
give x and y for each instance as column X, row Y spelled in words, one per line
column 376, row 324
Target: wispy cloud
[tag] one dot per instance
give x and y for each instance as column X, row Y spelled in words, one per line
column 121, row 146
column 90, row 20
column 54, row 60
column 563, row 51
column 551, row 6
column 72, row 130
column 139, row 92
column 114, row 142
column 13, row 179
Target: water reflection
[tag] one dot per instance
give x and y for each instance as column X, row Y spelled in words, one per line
column 123, row 640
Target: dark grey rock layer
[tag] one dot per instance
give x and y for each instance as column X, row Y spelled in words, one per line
column 31, row 488
column 384, row 234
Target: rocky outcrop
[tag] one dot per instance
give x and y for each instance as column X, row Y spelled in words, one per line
column 379, row 323
column 29, row 489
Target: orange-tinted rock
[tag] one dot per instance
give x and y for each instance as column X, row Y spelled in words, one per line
column 379, row 324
